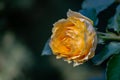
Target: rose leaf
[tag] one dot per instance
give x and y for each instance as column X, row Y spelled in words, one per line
column 46, row 49
column 113, row 68
column 106, row 52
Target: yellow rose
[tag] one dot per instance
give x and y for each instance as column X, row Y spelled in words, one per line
column 73, row 39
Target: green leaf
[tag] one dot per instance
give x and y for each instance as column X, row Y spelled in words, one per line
column 46, row 49
column 90, row 13
column 113, row 68
column 99, row 5
column 108, row 50
column 114, row 22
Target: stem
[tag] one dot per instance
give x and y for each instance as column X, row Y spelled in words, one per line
column 109, row 36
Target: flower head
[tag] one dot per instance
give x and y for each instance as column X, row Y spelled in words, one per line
column 73, row 39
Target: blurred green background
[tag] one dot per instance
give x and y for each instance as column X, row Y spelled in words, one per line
column 25, row 26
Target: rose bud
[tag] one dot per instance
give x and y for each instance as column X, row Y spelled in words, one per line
column 73, row 39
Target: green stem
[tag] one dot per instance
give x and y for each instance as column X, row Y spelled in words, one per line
column 109, row 36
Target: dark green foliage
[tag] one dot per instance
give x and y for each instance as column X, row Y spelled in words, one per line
column 113, row 68
column 114, row 22
column 106, row 52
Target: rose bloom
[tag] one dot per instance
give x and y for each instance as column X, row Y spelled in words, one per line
column 73, row 39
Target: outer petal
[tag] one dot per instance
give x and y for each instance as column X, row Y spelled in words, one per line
column 71, row 13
